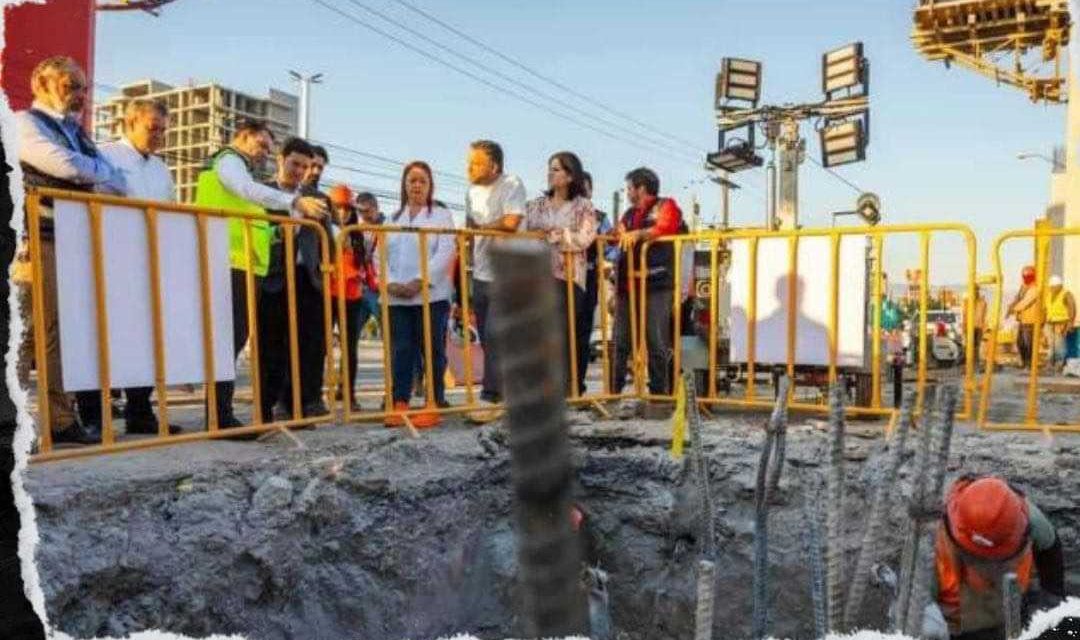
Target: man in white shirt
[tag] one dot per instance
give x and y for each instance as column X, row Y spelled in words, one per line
column 146, row 177
column 55, row 152
column 228, row 183
column 494, row 202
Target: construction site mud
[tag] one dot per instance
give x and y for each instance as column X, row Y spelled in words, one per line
column 365, row 532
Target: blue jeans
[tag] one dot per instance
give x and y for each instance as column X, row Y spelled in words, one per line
column 1057, row 346
column 368, row 307
column 407, row 347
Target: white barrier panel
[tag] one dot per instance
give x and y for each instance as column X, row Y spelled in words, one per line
column 812, row 309
column 126, row 261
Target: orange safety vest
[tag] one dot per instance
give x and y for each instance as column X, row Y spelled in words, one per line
column 351, row 273
column 970, row 588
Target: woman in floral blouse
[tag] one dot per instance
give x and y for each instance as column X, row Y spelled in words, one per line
column 566, row 217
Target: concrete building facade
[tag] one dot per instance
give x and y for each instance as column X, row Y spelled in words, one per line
column 201, row 120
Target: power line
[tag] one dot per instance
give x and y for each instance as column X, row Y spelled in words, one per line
column 854, row 187
column 660, row 144
column 540, row 76
column 397, row 163
column 477, row 78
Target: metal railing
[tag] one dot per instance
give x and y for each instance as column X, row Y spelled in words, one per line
column 1041, row 237
column 754, row 243
column 876, row 237
column 152, row 211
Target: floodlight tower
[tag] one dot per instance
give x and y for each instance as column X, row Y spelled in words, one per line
column 843, row 119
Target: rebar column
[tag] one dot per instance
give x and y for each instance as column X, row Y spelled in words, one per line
column 834, row 555
column 930, row 509
column 699, row 466
column 706, row 585
column 909, row 559
column 814, row 541
column 768, row 479
column 868, row 551
column 706, row 596
column 1011, row 601
column 525, row 328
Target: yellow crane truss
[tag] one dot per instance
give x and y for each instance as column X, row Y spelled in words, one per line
column 994, row 38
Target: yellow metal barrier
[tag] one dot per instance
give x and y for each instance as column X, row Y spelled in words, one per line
column 876, row 237
column 636, row 292
column 151, row 212
column 462, row 239
column 1041, row 238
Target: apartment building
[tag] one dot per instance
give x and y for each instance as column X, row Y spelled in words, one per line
column 201, row 121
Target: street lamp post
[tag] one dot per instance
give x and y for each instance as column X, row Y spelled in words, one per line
column 305, row 99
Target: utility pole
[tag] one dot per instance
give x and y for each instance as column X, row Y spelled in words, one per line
column 305, row 100
column 616, row 202
column 792, row 150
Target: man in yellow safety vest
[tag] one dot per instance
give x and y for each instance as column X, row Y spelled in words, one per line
column 1060, row 318
column 227, row 182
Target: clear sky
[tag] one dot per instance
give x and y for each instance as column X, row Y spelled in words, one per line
column 944, row 141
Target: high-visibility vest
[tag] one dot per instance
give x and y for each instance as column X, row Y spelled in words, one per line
column 211, row 193
column 1057, row 309
column 970, row 588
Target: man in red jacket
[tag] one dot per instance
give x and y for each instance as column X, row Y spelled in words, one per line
column 649, row 218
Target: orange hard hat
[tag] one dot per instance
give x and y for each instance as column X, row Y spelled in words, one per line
column 341, row 195
column 986, row 517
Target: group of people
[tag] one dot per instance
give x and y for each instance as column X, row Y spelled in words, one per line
column 988, row 528
column 1054, row 309
column 56, row 152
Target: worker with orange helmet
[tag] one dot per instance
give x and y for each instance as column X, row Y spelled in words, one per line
column 1027, row 307
column 988, row 530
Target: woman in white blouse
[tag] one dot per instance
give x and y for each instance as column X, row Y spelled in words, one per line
column 565, row 215
column 418, row 210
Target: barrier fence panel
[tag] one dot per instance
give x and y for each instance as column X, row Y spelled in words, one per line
column 463, row 299
column 107, row 212
column 1036, row 382
column 813, row 314
column 816, row 327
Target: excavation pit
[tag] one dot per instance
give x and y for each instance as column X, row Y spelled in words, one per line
column 368, row 533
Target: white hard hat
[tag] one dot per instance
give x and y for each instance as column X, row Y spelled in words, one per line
column 1055, row 281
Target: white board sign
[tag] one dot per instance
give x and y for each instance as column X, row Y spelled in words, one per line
column 812, row 307
column 126, row 261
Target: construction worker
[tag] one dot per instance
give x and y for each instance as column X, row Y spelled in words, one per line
column 1028, row 311
column 228, row 183
column 1060, row 317
column 990, row 529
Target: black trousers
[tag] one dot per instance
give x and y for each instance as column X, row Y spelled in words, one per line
column 226, row 388
column 350, row 337
column 1025, row 338
column 137, row 408
column 275, row 360
column 481, row 304
column 586, row 316
column 658, row 338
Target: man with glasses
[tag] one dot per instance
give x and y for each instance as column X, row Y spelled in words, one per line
column 56, row 153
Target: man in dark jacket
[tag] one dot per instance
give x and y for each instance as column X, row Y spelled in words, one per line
column 274, row 352
column 649, row 218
